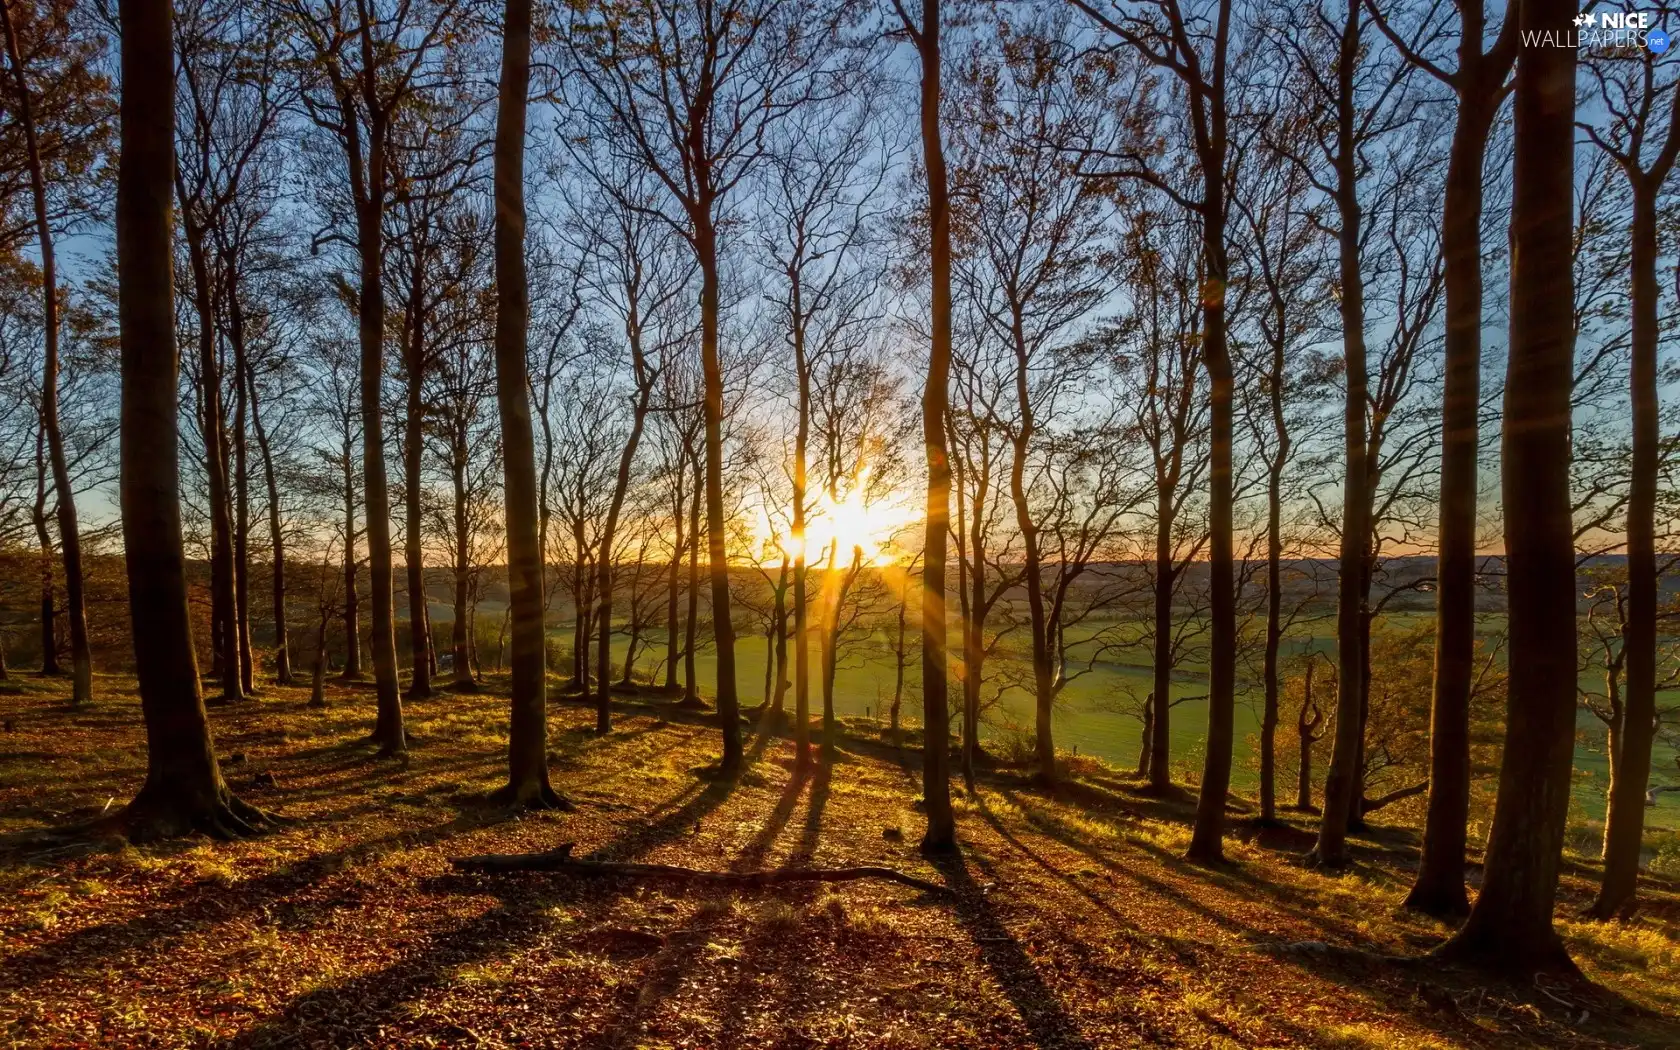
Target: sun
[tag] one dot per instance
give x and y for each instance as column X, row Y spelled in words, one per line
column 860, row 519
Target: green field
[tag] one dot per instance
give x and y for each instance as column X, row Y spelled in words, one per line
column 1094, row 716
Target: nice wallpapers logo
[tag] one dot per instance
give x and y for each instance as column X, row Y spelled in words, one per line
column 1605, row 30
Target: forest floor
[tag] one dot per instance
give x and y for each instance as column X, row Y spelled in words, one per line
column 1072, row 923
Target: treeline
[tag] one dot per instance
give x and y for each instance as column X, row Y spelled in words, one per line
column 1201, row 288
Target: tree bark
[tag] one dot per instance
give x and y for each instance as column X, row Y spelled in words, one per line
column 241, row 487
column 717, row 549
column 528, row 727
column 1274, row 573
column 184, row 789
column 1510, row 925
column 1042, row 657
column 223, row 571
column 461, row 629
column 414, row 550
column 1166, row 576
column 801, row 636
column 941, row 832
column 276, row 539
column 48, row 603
column 1342, row 786
column 1630, row 769
column 691, row 623
column 673, row 587
column 609, row 530
column 352, row 597
column 70, row 541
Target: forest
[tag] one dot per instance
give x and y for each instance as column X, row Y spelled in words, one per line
column 839, row 523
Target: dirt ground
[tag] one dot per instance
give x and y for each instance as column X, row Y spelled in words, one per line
column 1071, row 921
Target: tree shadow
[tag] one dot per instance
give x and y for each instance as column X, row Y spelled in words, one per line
column 1038, row 1006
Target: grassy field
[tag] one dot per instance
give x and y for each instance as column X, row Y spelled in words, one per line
column 1094, row 716
column 1068, row 922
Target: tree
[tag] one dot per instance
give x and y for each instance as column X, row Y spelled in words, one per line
column 821, row 201
column 1288, row 295
column 1632, row 93
column 1037, row 259
column 690, row 92
column 184, row 790
column 366, row 65
column 634, row 268
column 1479, row 84
column 70, row 541
column 1193, row 45
column 527, row 784
column 230, row 106
column 1510, row 925
column 941, row 832
column 1158, row 366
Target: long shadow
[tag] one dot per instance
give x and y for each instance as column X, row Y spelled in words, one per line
column 1054, row 830
column 810, row 834
column 1038, row 1006
column 515, row 923
column 198, row 905
column 1126, row 925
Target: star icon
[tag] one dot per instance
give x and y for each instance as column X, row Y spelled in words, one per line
column 1584, row 19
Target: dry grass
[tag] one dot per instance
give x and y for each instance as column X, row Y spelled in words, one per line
column 1074, row 924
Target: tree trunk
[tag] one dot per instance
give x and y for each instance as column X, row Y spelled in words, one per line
column 779, row 615
column 1630, row 770
column 801, row 637
column 825, row 643
column 717, row 549
column 1274, row 576
column 528, row 724
column 223, row 571
column 184, row 789
column 673, row 587
column 276, row 539
column 48, row 605
column 461, row 629
column 388, row 730
column 1146, row 746
column 352, row 598
column 1306, row 729
column 691, row 625
column 1043, row 697
column 1166, row 575
column 1439, row 888
column 1206, row 841
column 1510, row 925
column 936, row 746
column 1342, row 784
column 70, row 541
column 414, row 552
column 241, row 490
column 604, row 569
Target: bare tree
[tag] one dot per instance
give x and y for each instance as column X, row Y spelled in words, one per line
column 1192, row 44
column 527, row 784
column 1510, row 925
column 689, row 93
column 368, row 61
column 70, row 540
column 941, row 832
column 184, row 789
column 1632, row 92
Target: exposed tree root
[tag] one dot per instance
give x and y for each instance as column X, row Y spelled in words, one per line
column 537, row 797
column 561, row 860
column 149, row 819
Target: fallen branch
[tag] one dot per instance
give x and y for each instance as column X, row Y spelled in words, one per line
column 560, row 859
column 1371, row 805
